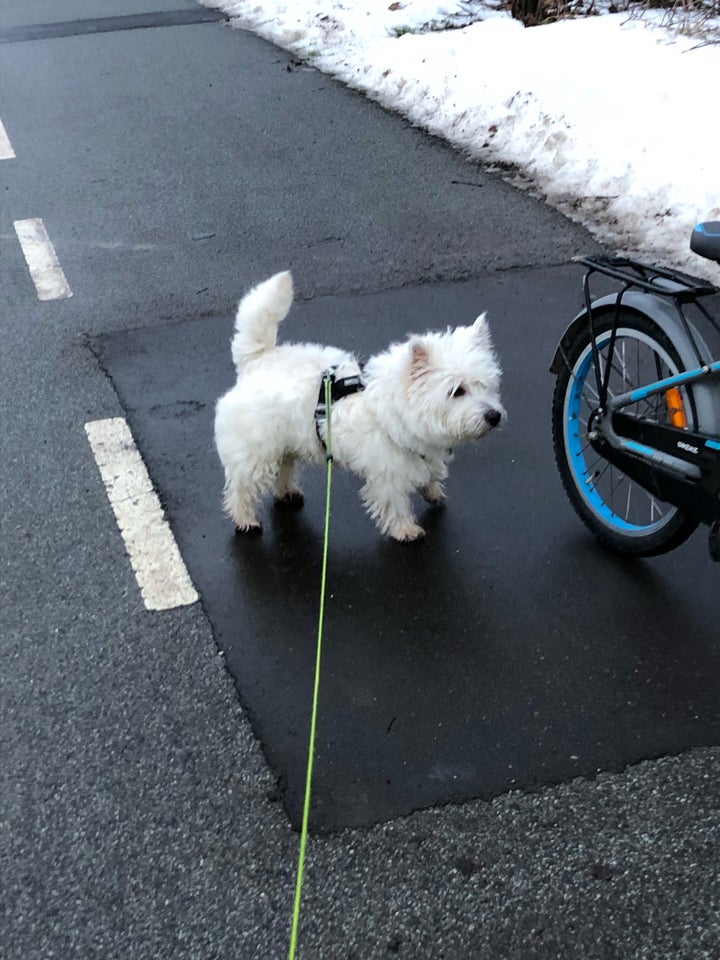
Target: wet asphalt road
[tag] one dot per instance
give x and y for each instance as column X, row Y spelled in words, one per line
column 172, row 166
column 506, row 651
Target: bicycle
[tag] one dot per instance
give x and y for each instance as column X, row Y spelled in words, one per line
column 636, row 407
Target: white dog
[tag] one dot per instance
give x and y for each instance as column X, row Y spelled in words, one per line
column 416, row 401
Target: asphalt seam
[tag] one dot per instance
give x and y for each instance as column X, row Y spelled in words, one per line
column 134, row 21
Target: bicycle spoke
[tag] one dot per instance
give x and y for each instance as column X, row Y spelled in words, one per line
column 590, row 469
column 619, row 371
column 592, row 407
column 603, row 472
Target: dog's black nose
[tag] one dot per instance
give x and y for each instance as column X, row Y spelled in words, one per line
column 493, row 417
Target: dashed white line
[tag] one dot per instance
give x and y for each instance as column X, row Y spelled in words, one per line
column 154, row 555
column 45, row 269
column 6, row 150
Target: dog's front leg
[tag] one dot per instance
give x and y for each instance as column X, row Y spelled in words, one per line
column 434, row 494
column 434, row 491
column 391, row 510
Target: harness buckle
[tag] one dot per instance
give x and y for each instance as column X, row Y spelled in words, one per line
column 339, row 387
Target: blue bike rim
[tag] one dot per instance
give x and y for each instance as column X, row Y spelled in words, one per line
column 579, row 451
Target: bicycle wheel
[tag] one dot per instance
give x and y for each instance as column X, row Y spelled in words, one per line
column 621, row 513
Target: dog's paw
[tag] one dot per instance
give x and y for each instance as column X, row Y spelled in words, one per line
column 434, row 493
column 407, row 532
column 291, row 500
column 248, row 530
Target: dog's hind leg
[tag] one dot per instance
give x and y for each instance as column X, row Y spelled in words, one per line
column 241, row 506
column 243, row 491
column 286, row 494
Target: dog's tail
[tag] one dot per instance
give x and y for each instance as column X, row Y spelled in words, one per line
column 258, row 315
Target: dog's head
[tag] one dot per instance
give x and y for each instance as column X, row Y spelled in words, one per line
column 452, row 385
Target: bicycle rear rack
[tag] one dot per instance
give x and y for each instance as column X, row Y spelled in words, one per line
column 679, row 287
column 651, row 278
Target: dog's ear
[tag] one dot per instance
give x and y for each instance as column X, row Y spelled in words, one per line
column 419, row 355
column 481, row 330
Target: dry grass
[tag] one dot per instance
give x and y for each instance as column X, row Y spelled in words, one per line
column 699, row 18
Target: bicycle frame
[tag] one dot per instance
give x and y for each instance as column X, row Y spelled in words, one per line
column 677, row 465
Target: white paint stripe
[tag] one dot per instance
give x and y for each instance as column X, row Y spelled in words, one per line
column 6, row 150
column 42, row 262
column 160, row 571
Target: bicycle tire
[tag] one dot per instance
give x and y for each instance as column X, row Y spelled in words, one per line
column 586, row 484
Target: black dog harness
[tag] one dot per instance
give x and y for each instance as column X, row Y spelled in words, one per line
column 339, row 388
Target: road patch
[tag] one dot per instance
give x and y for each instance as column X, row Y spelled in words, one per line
column 506, row 651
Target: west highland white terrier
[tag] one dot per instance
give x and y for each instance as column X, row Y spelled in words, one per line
column 415, row 402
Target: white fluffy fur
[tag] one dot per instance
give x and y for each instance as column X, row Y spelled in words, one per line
column 422, row 398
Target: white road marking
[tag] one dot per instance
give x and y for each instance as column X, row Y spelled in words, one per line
column 42, row 261
column 6, row 150
column 159, row 569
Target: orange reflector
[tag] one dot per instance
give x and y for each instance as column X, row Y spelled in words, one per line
column 676, row 408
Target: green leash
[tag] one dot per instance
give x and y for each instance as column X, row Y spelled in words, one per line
column 316, row 689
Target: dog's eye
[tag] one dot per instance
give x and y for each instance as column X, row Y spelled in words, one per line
column 459, row 391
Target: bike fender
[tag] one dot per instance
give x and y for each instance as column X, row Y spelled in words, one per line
column 664, row 315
